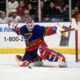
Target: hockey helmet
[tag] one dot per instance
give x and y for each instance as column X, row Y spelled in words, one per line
column 29, row 19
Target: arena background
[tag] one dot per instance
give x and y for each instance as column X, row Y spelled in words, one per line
column 45, row 13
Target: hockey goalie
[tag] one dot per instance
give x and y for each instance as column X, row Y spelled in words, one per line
column 34, row 41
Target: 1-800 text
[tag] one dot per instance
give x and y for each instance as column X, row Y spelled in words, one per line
column 13, row 39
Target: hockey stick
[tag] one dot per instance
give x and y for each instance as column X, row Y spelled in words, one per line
column 67, row 29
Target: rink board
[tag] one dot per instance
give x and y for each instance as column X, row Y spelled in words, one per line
column 10, row 42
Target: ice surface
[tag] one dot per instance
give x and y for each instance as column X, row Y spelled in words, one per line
column 9, row 70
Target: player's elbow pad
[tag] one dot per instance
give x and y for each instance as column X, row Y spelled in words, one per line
column 54, row 29
column 57, row 30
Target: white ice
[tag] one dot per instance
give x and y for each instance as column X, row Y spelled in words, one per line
column 9, row 70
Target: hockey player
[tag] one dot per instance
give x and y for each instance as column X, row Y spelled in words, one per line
column 34, row 40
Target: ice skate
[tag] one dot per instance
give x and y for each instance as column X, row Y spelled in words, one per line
column 20, row 62
column 61, row 63
column 18, row 58
column 25, row 64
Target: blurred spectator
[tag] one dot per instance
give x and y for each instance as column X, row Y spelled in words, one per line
column 3, row 18
column 21, row 8
column 54, row 11
column 75, row 11
column 66, row 12
column 46, row 19
column 31, row 11
column 12, row 4
column 66, row 7
column 14, row 17
column 43, row 9
column 51, row 10
column 26, row 13
column 36, row 19
column 58, row 10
